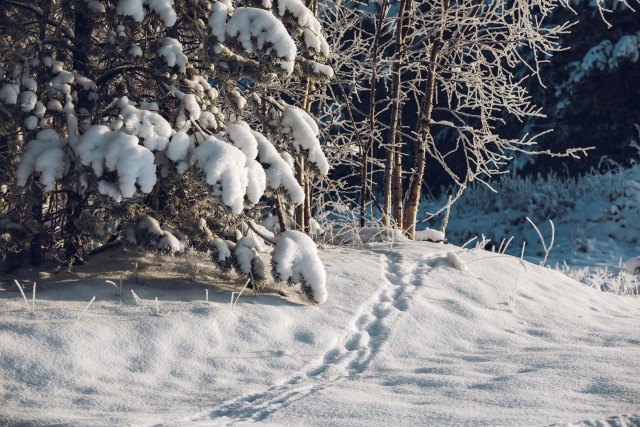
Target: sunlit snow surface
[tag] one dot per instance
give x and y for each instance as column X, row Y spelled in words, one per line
column 403, row 339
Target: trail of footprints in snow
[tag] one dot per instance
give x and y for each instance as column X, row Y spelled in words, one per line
column 342, row 362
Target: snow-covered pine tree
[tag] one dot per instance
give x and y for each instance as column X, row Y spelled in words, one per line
column 120, row 112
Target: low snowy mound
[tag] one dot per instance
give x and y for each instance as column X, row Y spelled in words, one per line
column 295, row 259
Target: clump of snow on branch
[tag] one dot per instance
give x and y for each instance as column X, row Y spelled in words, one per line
column 221, row 251
column 151, row 127
column 136, row 10
column 9, row 93
column 218, row 20
column 430, row 235
column 116, row 151
column 279, row 172
column 44, row 155
column 240, row 135
column 304, row 132
column 171, row 51
column 295, row 259
column 224, row 167
column 257, row 29
column 312, row 29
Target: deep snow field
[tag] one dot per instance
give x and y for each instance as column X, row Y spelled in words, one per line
column 412, row 333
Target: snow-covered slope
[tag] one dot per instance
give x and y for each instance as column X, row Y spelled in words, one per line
column 403, row 338
column 596, row 220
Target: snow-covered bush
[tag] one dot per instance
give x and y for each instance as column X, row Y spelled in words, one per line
column 295, row 259
column 154, row 109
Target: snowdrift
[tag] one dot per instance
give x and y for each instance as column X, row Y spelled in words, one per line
column 404, row 338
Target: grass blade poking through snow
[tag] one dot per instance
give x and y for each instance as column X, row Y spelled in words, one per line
column 136, row 298
column 33, row 298
column 544, row 245
column 118, row 288
column 86, row 308
column 23, row 295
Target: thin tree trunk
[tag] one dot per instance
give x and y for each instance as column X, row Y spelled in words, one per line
column 412, row 196
column 299, row 212
column 365, row 186
column 281, row 214
column 303, row 211
column 74, row 203
column 35, row 246
column 396, row 200
column 393, row 176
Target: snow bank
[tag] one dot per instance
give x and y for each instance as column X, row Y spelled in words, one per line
column 295, row 259
column 429, row 234
column 403, row 340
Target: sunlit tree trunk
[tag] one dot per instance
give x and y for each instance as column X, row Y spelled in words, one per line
column 393, row 164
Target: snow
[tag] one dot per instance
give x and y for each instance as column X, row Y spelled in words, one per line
column 222, row 251
column 403, row 339
column 224, row 167
column 44, row 155
column 305, row 132
column 178, row 148
column 135, row 50
column 257, row 29
column 279, row 173
column 136, row 10
column 627, row 47
column 595, row 221
column 244, row 254
column 171, row 51
column 150, row 126
column 28, row 100
column 116, row 151
column 295, row 259
column 312, row 29
column 31, row 122
column 9, row 93
column 218, row 20
column 429, row 234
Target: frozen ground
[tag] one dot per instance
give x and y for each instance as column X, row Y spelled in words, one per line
column 403, row 339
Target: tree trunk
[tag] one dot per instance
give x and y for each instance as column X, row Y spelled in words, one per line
column 280, row 212
column 412, row 196
column 365, row 186
column 35, row 246
column 397, row 180
column 393, row 164
column 303, row 211
column 299, row 212
column 75, row 204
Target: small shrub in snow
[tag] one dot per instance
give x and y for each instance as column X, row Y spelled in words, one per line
column 295, row 259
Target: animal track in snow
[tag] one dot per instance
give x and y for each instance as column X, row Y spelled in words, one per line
column 351, row 358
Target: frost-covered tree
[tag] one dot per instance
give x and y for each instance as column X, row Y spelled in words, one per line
column 441, row 76
column 125, row 112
